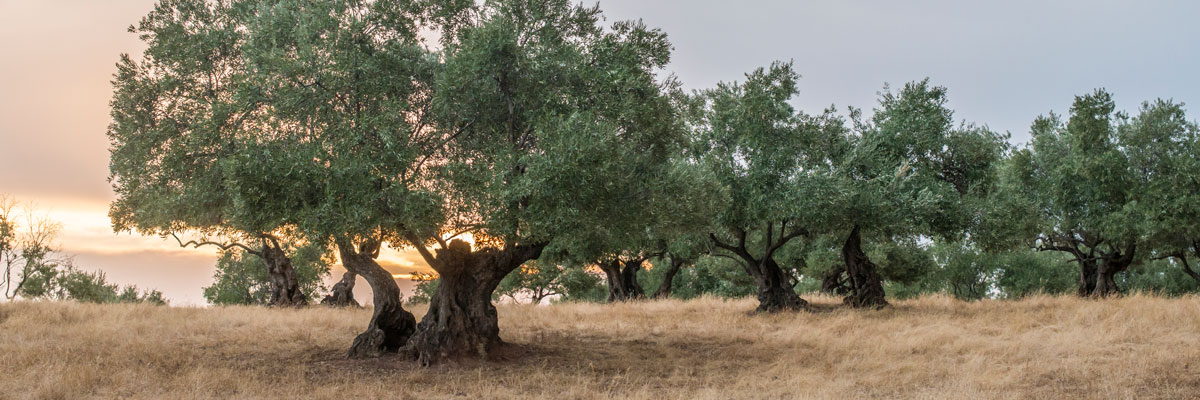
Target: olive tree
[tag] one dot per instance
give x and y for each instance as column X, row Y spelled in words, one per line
column 557, row 124
column 771, row 160
column 177, row 120
column 1077, row 192
column 1163, row 151
column 908, row 172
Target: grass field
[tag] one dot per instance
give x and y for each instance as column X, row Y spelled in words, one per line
column 1042, row 347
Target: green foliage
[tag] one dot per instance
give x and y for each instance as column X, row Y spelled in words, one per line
column 582, row 284
column 65, row 282
column 716, row 276
column 911, row 171
column 1161, row 277
column 533, row 281
column 242, row 278
column 1025, row 273
column 533, row 122
column 426, row 286
column 1078, row 181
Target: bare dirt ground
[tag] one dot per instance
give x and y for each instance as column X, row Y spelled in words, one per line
column 1043, row 347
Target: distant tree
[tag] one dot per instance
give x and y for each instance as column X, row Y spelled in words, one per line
column 684, row 199
column 716, row 276
column 27, row 250
column 1076, row 193
column 425, row 286
column 582, row 284
column 35, row 268
column 342, row 292
column 66, row 282
column 536, row 280
column 241, row 279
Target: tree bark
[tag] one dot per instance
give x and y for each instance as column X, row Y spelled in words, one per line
column 342, row 293
column 1187, row 267
column 622, row 281
column 1087, row 276
column 775, row 289
column 391, row 326
column 866, row 286
column 664, row 288
column 834, row 281
column 1109, row 266
column 462, row 320
column 285, row 288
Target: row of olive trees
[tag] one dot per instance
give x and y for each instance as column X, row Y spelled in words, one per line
column 547, row 139
column 35, row 268
column 1095, row 188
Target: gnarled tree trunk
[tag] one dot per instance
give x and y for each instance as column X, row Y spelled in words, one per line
column 342, row 293
column 391, row 325
column 462, row 320
column 1109, row 266
column 664, row 288
column 285, row 288
column 1087, row 277
column 775, row 288
column 834, row 281
column 866, row 285
column 623, row 282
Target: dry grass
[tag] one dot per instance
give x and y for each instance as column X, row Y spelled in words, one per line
column 1043, row 347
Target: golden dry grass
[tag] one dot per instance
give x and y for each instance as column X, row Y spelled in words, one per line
column 1042, row 347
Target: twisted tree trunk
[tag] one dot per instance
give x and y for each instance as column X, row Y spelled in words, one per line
column 623, row 282
column 775, row 289
column 462, row 320
column 866, row 286
column 1109, row 266
column 391, row 325
column 1087, row 276
column 834, row 281
column 285, row 288
column 342, row 293
column 664, row 288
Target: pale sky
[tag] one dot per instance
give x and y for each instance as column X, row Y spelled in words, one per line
column 1004, row 63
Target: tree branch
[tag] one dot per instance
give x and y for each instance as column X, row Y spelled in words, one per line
column 222, row 246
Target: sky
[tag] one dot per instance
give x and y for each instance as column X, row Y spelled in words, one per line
column 1004, row 64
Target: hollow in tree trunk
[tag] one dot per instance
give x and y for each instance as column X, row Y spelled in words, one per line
column 285, row 288
column 622, row 282
column 664, row 288
column 390, row 326
column 866, row 286
column 342, row 293
column 461, row 320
